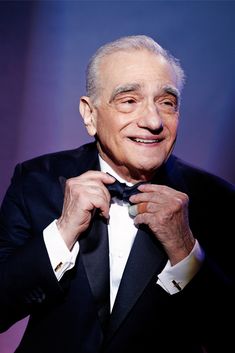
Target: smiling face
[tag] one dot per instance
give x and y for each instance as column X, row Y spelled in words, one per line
column 135, row 118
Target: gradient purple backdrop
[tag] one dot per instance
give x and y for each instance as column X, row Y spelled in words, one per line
column 44, row 49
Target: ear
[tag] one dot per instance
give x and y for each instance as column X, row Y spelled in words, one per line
column 88, row 114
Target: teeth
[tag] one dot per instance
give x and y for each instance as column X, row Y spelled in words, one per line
column 145, row 141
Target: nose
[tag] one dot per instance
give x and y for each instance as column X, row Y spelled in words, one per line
column 150, row 118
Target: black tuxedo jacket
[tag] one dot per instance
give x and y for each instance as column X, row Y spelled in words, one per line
column 72, row 315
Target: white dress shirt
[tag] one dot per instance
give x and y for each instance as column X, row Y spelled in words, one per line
column 121, row 233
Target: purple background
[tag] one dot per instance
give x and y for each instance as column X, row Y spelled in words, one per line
column 44, row 48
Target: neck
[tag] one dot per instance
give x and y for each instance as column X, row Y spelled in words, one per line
column 124, row 174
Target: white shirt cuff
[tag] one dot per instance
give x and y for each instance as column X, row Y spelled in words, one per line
column 61, row 258
column 174, row 278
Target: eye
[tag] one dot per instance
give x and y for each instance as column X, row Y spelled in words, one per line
column 168, row 104
column 128, row 101
column 126, row 104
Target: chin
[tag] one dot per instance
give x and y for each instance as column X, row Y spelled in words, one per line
column 145, row 169
column 149, row 165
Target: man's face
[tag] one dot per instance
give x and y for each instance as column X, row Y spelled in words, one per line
column 136, row 116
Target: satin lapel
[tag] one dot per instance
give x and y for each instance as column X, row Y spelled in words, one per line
column 95, row 256
column 62, row 181
column 146, row 259
column 94, row 243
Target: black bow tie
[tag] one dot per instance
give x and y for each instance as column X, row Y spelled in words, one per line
column 123, row 191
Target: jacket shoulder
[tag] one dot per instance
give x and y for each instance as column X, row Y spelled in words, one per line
column 66, row 162
column 198, row 178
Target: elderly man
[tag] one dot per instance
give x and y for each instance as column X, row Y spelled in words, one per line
column 119, row 246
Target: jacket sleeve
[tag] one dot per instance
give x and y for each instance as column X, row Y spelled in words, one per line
column 26, row 277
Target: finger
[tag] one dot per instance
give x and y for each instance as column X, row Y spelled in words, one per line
column 150, row 187
column 161, row 189
column 93, row 181
column 99, row 180
column 145, row 197
column 95, row 175
column 95, row 202
column 99, row 190
column 154, row 193
column 103, row 208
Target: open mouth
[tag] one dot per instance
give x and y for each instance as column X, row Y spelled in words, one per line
column 145, row 141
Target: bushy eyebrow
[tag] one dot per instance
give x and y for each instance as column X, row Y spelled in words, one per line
column 172, row 90
column 130, row 87
column 134, row 87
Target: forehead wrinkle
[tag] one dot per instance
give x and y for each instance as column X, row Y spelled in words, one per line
column 129, row 87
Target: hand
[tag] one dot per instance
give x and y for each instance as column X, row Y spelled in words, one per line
column 165, row 211
column 83, row 195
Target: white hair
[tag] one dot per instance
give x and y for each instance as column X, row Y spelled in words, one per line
column 128, row 43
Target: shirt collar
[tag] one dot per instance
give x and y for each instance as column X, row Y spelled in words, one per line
column 105, row 167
